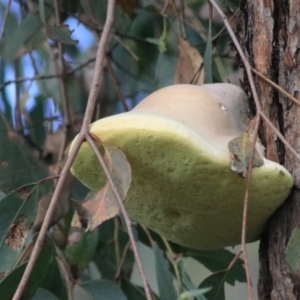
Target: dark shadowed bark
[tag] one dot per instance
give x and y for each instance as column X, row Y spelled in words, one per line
column 271, row 38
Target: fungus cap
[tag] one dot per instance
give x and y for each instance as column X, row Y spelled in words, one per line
column 176, row 141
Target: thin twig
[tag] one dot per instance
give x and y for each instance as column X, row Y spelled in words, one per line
column 174, row 264
column 234, row 260
column 121, row 263
column 245, row 208
column 116, row 240
column 116, row 83
column 183, row 27
column 65, row 171
column 45, row 77
column 125, row 215
column 5, row 18
column 127, row 48
column 242, row 55
column 17, row 110
column 258, row 112
column 216, row 36
column 276, row 86
column 70, row 282
column 61, row 69
column 280, row 136
column 148, row 234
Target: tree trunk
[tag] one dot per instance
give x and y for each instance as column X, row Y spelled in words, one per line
column 271, row 39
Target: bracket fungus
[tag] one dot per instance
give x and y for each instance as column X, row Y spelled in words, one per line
column 176, row 141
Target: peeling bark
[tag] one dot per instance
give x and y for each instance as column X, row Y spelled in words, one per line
column 271, row 39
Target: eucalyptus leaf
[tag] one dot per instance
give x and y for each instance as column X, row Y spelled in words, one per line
column 188, row 283
column 9, row 284
column 215, row 283
column 164, row 276
column 217, row 261
column 17, row 163
column 42, row 294
column 132, row 291
column 103, row 290
column 198, row 293
column 17, row 213
column 61, row 34
column 80, row 251
column 13, row 44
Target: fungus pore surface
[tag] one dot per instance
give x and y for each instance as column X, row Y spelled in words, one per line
column 182, row 185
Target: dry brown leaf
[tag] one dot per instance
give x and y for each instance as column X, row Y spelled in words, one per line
column 240, row 152
column 104, row 205
column 189, row 67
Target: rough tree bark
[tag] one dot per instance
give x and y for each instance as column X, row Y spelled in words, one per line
column 271, row 37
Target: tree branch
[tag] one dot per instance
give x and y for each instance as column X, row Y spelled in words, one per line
column 65, row 171
column 125, row 215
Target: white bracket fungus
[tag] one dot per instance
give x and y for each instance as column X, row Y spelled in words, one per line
column 176, row 141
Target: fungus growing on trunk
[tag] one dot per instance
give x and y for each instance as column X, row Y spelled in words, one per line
column 176, row 141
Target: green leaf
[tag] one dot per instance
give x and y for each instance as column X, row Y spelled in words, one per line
column 53, row 281
column 192, row 289
column 240, row 151
column 80, row 252
column 35, row 123
column 216, row 284
column 28, row 32
column 104, row 290
column 42, row 294
column 163, row 275
column 108, row 254
column 9, row 284
column 217, row 261
column 17, row 213
column 17, row 164
column 42, row 11
column 194, row 293
column 61, row 34
column 292, row 251
column 208, row 78
column 132, row 291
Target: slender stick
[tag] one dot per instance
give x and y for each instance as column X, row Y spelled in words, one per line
column 45, row 77
column 258, row 112
column 116, row 83
column 61, row 69
column 125, row 215
column 40, row 239
column 276, row 86
column 65, row 171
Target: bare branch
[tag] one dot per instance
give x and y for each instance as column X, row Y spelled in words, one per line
column 61, row 69
column 65, row 171
column 249, row 174
column 276, row 86
column 44, row 77
column 121, row 263
column 116, row 83
column 125, row 215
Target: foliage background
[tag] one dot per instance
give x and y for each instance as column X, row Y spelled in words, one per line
column 45, row 76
